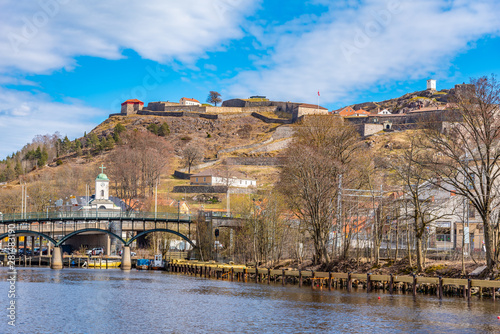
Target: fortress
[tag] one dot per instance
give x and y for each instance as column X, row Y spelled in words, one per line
column 254, row 104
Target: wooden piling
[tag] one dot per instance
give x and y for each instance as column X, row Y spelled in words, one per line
column 312, row 279
column 414, row 286
column 368, row 283
column 440, row 288
column 300, row 278
column 469, row 286
column 391, row 284
column 329, row 281
column 283, row 277
column 268, row 276
column 349, row 282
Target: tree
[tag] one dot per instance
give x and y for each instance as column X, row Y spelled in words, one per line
column 421, row 199
column 191, row 154
column 118, row 129
column 136, row 164
column 214, row 97
column 467, row 154
column 164, row 130
column 153, row 128
column 323, row 149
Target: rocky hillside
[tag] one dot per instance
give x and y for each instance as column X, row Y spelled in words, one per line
column 408, row 102
column 213, row 135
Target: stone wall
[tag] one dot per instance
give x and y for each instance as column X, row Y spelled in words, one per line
column 275, row 146
column 160, row 105
column 271, row 120
column 245, row 147
column 254, row 161
column 311, row 111
column 370, row 129
column 200, row 189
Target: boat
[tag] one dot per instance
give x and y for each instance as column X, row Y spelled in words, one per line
column 102, row 264
column 158, row 263
column 142, row 264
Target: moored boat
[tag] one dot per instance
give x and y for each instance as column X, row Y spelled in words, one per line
column 142, row 264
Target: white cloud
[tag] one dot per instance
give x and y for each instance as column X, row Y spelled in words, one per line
column 357, row 46
column 24, row 115
column 41, row 36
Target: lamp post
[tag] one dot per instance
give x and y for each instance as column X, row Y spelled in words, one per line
column 178, row 214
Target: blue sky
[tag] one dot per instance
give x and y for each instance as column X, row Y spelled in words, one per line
column 66, row 64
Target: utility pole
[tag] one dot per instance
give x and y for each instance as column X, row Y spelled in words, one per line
column 339, row 215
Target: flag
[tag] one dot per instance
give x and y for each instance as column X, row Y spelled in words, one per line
column 318, row 92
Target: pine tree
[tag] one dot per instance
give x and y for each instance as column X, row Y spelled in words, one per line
column 164, row 130
column 18, row 169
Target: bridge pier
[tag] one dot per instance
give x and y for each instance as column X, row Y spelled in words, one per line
column 56, row 258
column 126, row 262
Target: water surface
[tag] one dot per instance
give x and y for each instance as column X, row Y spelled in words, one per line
column 115, row 301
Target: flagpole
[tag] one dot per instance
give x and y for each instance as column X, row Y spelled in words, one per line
column 318, row 103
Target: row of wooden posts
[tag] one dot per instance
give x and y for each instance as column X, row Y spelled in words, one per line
column 99, row 262
column 329, row 280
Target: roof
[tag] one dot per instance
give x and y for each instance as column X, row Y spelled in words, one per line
column 102, row 177
column 133, row 101
column 348, row 111
column 188, row 99
column 315, row 106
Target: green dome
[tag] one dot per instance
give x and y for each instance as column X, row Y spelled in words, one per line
column 102, row 176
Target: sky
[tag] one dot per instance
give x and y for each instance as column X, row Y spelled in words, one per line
column 65, row 65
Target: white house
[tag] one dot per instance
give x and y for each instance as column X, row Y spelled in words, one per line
column 384, row 112
column 213, row 177
column 185, row 101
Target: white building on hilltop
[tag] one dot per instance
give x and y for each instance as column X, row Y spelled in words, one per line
column 185, row 101
column 431, row 84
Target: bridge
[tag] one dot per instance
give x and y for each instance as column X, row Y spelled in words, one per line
column 58, row 227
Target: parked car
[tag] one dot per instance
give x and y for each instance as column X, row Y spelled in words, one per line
column 95, row 251
column 37, row 251
column 23, row 252
column 131, row 253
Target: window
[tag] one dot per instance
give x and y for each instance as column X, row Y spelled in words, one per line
column 102, row 193
column 204, row 179
column 196, row 179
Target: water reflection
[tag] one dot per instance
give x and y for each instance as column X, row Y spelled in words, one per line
column 110, row 301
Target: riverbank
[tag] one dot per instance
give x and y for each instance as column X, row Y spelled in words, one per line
column 439, row 286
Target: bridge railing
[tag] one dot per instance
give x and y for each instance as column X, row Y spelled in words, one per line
column 90, row 214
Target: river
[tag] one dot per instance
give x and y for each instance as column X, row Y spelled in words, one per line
column 115, row 301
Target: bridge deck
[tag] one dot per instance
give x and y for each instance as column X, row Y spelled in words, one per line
column 65, row 216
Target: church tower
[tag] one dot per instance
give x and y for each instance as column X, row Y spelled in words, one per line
column 102, row 185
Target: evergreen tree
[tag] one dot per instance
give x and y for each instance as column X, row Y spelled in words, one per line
column 43, row 157
column 164, row 130
column 9, row 173
column 18, row 169
column 119, row 128
column 153, row 127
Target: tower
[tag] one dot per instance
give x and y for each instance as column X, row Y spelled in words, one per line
column 102, row 185
column 431, row 84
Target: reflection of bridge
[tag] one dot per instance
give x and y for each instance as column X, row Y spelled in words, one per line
column 58, row 227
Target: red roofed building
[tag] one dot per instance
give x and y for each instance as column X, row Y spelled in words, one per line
column 349, row 112
column 185, row 101
column 131, row 107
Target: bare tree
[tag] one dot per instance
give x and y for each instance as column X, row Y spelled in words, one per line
column 135, row 165
column 191, row 154
column 214, row 97
column 322, row 150
column 466, row 155
column 421, row 198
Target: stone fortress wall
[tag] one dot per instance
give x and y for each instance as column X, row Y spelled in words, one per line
column 234, row 106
